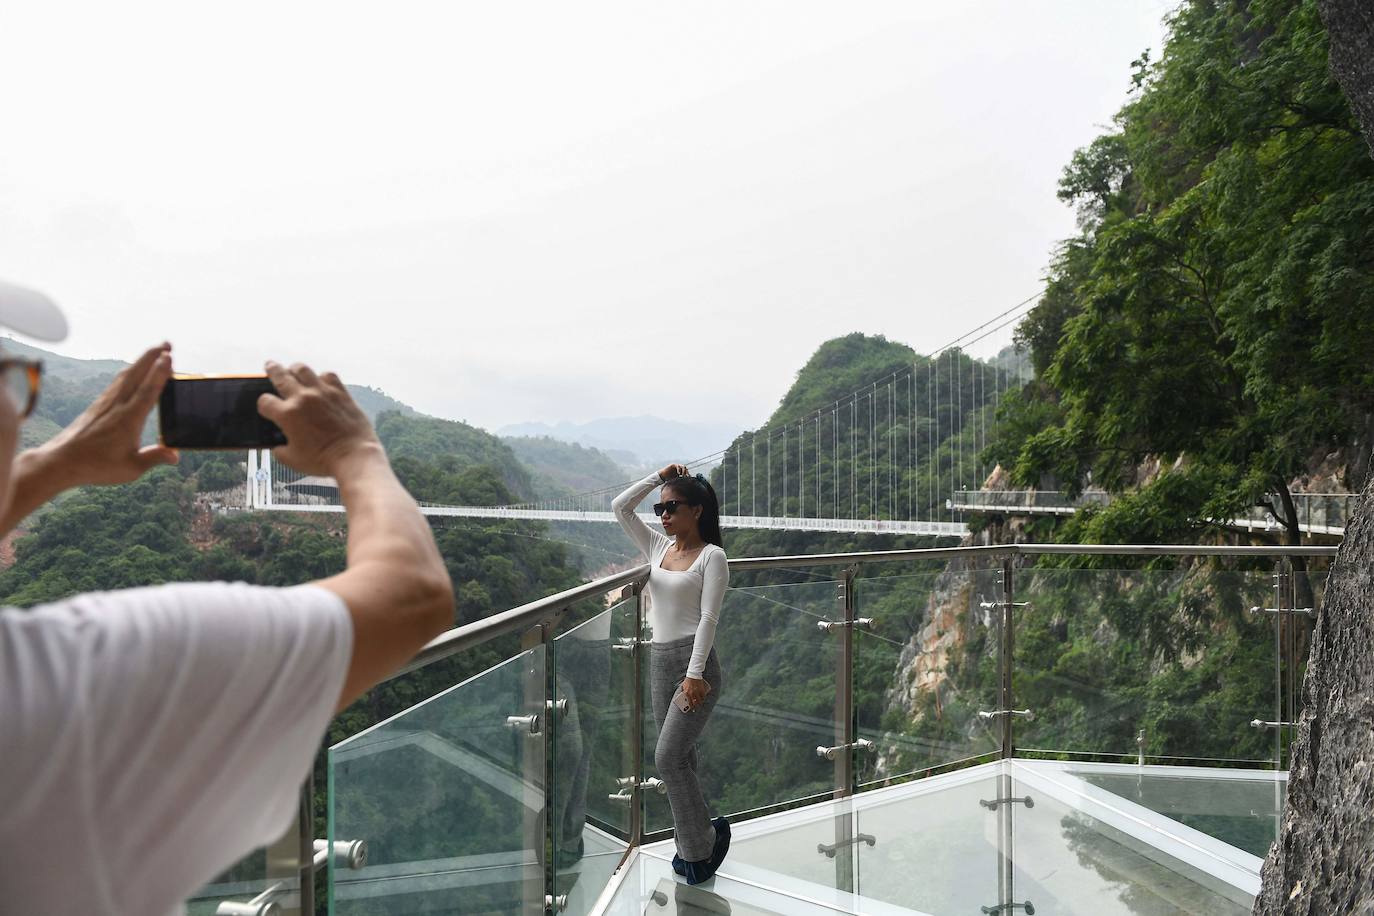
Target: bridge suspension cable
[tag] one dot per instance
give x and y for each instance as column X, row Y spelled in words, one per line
column 891, row 466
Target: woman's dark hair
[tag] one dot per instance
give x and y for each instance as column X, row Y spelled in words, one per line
column 697, row 490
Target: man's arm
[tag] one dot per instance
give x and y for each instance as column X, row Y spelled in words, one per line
column 102, row 446
column 396, row 586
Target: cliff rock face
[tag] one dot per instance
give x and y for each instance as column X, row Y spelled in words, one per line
column 1323, row 860
column 1350, row 24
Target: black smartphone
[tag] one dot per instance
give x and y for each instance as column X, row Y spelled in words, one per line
column 217, row 412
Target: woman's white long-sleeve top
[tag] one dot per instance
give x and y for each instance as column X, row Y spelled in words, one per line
column 682, row 603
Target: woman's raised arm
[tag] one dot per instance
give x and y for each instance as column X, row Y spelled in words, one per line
column 646, row 539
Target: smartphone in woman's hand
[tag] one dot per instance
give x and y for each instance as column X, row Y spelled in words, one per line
column 680, row 698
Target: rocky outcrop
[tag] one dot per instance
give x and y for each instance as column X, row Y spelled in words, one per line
column 1350, row 26
column 1323, row 860
column 922, row 667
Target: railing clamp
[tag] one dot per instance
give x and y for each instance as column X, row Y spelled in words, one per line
column 992, row 804
column 989, row 605
column 1009, row 907
column 557, row 708
column 1305, row 611
column 529, row 723
column 1026, row 714
column 230, row 908
column 346, row 854
column 652, row 784
column 865, row 623
column 828, row 849
column 554, row 904
column 829, row 753
column 627, row 644
column 1261, row 723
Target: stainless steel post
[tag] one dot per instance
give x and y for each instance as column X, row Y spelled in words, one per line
column 305, row 835
column 1279, row 614
column 537, row 885
column 1004, row 694
column 1005, row 813
column 844, row 687
column 284, row 860
column 637, row 721
column 1290, row 648
column 844, row 735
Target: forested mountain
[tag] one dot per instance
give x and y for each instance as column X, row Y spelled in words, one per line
column 454, row 446
column 638, row 441
column 877, row 431
column 559, row 468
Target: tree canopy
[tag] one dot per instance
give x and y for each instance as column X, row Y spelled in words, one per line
column 1216, row 309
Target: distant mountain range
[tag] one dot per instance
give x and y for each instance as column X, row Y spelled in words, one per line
column 636, row 441
column 527, row 467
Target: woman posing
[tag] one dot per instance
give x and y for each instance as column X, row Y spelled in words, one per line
column 686, row 585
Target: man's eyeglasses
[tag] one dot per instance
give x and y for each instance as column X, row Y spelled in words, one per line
column 668, row 507
column 21, row 379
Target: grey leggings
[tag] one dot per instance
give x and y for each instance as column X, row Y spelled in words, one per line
column 675, row 756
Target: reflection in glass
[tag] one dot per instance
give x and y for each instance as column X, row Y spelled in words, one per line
column 925, row 670
column 449, row 798
column 590, row 753
column 1159, row 665
column 776, row 707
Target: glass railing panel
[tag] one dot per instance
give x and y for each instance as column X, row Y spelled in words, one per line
column 1154, row 666
column 1240, row 808
column 591, row 752
column 925, row 669
column 449, row 796
column 777, row 703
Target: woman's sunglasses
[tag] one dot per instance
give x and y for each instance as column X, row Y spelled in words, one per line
column 669, row 507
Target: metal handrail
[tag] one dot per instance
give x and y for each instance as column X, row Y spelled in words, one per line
column 518, row 619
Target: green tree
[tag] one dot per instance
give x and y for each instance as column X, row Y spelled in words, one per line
column 1216, row 311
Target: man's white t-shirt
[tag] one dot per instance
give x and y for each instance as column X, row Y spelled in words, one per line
column 150, row 738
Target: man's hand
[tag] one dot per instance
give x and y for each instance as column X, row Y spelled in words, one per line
column 323, row 425
column 100, row 446
column 103, row 445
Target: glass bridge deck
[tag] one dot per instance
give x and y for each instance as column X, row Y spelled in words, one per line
column 1096, row 839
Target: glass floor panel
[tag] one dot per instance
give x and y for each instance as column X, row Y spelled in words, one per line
column 1094, row 839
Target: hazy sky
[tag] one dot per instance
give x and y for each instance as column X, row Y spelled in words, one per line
column 502, row 212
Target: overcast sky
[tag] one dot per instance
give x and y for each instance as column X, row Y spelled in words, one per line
column 502, row 212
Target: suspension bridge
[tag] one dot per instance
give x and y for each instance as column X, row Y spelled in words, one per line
column 887, row 457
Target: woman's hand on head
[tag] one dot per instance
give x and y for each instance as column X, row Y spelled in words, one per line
column 672, row 471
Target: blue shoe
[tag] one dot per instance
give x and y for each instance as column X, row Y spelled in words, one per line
column 705, row 870
column 722, row 842
column 698, row 872
column 679, row 865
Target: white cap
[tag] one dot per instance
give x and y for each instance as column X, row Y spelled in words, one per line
column 31, row 313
